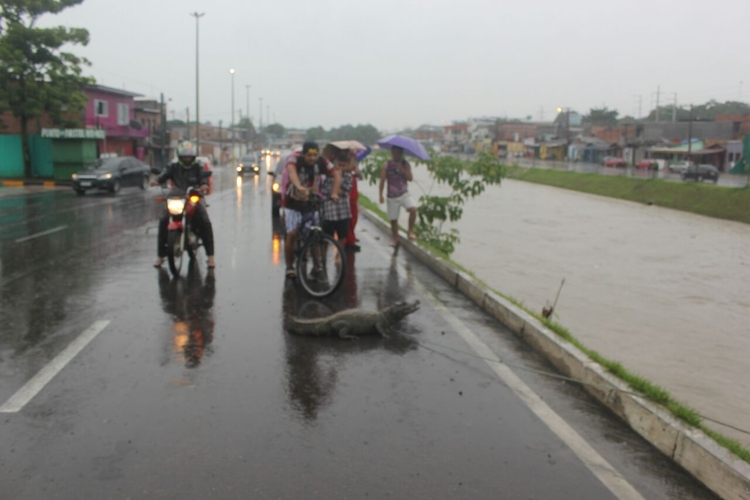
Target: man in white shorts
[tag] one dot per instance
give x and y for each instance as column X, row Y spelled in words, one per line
column 398, row 172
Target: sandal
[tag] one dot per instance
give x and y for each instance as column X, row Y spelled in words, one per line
column 291, row 273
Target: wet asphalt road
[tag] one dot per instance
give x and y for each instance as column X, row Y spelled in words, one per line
column 192, row 389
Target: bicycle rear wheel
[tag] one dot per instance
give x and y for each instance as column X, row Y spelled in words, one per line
column 321, row 265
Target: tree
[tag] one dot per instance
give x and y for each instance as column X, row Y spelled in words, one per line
column 464, row 179
column 276, row 129
column 366, row 134
column 246, row 123
column 37, row 76
column 315, row 134
column 601, row 116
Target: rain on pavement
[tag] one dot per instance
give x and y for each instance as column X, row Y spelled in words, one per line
column 194, row 389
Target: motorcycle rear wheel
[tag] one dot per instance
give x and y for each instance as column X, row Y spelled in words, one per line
column 175, row 246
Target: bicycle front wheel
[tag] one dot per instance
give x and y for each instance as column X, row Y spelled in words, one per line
column 321, row 265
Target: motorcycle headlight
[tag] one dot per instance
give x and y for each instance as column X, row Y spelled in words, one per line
column 74, row 176
column 195, row 198
column 105, row 176
column 239, row 167
column 176, row 206
column 275, row 187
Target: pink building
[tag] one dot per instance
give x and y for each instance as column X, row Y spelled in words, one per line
column 113, row 110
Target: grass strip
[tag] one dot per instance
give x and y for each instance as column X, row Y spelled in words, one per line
column 645, row 387
column 700, row 198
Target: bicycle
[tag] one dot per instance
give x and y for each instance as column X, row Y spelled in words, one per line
column 321, row 261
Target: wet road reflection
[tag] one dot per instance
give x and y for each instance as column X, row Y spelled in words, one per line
column 312, row 363
column 189, row 302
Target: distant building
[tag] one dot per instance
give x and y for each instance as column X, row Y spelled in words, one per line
column 113, row 111
column 456, row 134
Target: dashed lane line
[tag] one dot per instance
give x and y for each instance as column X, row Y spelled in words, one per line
column 44, row 233
column 46, row 374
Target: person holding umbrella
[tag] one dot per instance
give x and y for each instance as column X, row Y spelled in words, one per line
column 397, row 172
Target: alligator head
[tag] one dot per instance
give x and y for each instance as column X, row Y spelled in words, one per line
column 399, row 310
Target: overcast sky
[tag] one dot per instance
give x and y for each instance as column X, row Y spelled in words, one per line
column 398, row 63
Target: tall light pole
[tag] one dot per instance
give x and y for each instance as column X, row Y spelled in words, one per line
column 197, row 86
column 260, row 114
column 247, row 112
column 231, row 71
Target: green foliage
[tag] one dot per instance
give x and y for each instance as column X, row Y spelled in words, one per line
column 705, row 199
column 315, row 134
column 366, row 134
column 276, row 129
column 246, row 123
column 37, row 75
column 708, row 111
column 466, row 180
column 601, row 116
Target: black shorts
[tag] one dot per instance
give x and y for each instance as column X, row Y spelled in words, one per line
column 340, row 227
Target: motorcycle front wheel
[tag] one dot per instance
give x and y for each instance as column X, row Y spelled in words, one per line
column 175, row 246
column 321, row 265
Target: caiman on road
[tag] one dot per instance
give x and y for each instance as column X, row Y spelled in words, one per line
column 354, row 322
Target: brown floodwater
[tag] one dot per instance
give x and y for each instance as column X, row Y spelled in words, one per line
column 667, row 293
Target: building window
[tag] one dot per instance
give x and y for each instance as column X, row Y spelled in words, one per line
column 123, row 114
column 101, row 108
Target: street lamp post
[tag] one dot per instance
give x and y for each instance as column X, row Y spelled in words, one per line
column 232, row 128
column 197, row 86
column 247, row 112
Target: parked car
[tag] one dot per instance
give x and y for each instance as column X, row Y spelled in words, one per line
column 680, row 167
column 701, row 172
column 249, row 163
column 649, row 164
column 614, row 161
column 111, row 174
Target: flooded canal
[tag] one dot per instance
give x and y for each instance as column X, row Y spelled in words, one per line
column 666, row 293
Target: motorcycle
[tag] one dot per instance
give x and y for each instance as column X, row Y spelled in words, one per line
column 181, row 237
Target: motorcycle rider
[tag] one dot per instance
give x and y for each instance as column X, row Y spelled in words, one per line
column 185, row 173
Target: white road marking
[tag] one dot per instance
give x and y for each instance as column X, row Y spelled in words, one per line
column 46, row 374
column 45, row 233
column 602, row 469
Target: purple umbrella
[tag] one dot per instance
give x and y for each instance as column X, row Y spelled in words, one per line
column 409, row 145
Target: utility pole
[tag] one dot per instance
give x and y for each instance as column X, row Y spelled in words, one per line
column 221, row 143
column 197, row 87
column 690, row 132
column 674, row 109
column 239, row 111
column 268, row 115
column 231, row 130
column 247, row 110
column 640, row 105
column 658, row 90
column 260, row 114
column 162, row 161
column 187, row 125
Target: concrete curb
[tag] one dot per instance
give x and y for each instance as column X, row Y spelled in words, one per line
column 713, row 465
column 33, row 182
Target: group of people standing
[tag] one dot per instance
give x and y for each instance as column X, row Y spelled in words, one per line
column 334, row 177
